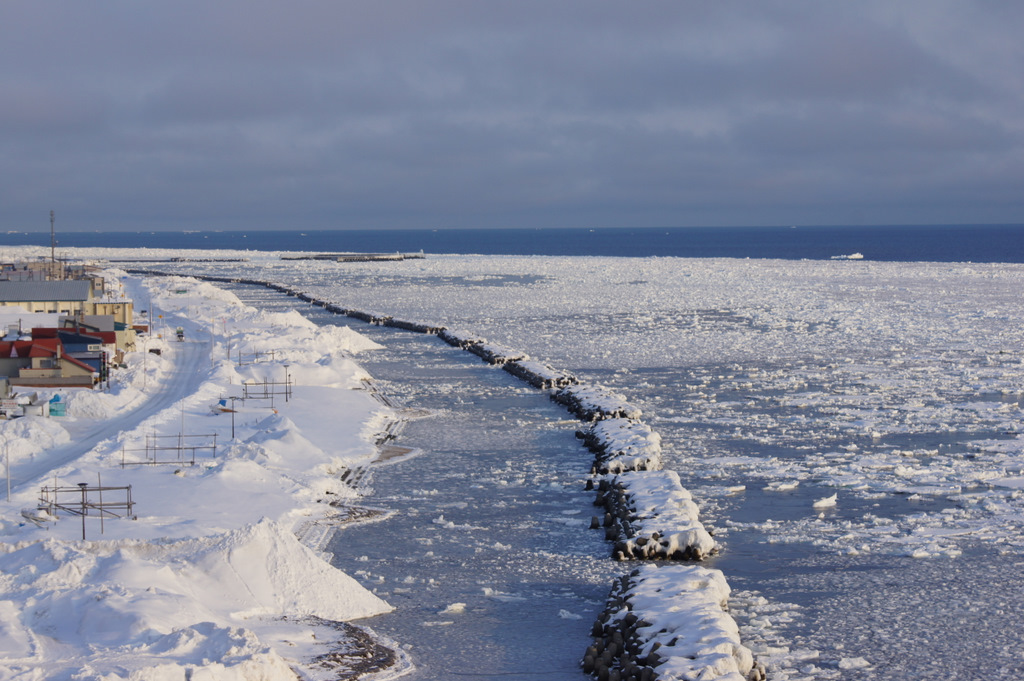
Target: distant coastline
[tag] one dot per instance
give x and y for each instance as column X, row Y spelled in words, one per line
column 919, row 243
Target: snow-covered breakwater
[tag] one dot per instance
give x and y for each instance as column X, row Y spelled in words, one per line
column 622, row 445
column 670, row 623
column 489, row 352
column 539, row 375
column 648, row 514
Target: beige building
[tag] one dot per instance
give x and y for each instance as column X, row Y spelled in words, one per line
column 71, row 297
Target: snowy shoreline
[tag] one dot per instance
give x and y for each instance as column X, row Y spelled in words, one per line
column 683, row 538
column 650, row 515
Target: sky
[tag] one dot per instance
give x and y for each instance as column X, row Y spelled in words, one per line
column 332, row 114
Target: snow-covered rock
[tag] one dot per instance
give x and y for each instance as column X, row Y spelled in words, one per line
column 622, row 445
column 670, row 623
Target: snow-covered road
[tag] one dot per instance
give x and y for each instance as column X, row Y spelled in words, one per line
column 183, row 380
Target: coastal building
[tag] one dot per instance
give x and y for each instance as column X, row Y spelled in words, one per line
column 124, row 334
column 94, row 328
column 69, row 297
column 42, row 362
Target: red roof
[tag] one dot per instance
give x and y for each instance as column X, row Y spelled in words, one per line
column 15, row 348
column 102, row 337
column 39, row 347
column 44, row 347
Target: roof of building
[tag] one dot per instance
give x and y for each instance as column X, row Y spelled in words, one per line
column 44, row 347
column 92, row 322
column 15, row 348
column 79, row 363
column 25, row 291
column 75, row 337
column 38, row 347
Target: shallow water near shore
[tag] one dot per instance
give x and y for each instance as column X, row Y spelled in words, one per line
column 487, row 558
column 486, row 553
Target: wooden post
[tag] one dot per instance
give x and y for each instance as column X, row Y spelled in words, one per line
column 83, row 485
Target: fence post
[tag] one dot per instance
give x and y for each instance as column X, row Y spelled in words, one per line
column 83, row 485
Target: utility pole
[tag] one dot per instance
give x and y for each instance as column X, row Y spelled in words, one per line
column 53, row 240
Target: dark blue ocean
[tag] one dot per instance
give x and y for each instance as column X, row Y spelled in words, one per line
column 945, row 243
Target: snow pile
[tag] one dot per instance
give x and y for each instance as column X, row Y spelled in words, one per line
column 25, row 437
column 670, row 623
column 149, row 607
column 622, row 445
column 203, row 575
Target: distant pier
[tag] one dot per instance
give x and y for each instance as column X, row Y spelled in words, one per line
column 356, row 257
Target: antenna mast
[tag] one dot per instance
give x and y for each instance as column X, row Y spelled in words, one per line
column 53, row 241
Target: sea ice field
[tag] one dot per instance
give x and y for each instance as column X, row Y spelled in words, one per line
column 850, row 430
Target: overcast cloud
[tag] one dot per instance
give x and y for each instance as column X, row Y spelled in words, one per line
column 331, row 114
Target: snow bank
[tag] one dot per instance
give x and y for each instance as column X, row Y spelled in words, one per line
column 141, row 609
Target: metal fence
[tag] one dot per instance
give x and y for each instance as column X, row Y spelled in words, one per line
column 177, row 450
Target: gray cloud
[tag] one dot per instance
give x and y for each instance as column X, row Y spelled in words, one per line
column 408, row 114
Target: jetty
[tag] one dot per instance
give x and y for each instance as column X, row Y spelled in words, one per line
column 356, row 257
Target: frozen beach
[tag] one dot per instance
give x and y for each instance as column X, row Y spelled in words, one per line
column 848, row 429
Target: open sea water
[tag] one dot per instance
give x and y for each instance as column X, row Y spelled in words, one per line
column 921, row 243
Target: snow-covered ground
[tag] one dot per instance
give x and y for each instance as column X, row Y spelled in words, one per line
column 208, row 577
